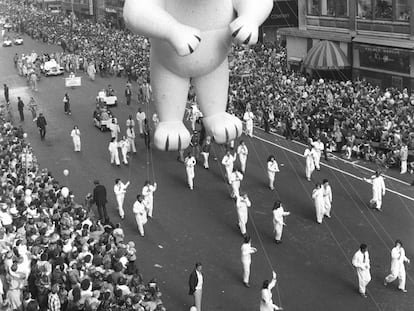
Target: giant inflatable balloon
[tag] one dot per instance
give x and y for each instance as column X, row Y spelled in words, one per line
column 190, row 39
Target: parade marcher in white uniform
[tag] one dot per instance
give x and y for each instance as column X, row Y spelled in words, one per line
column 140, row 213
column 146, row 92
column 148, row 193
column 246, row 258
column 120, row 190
column 113, row 151
column 327, row 197
column 195, row 114
column 249, row 117
column 278, row 220
column 205, row 151
column 310, row 162
column 76, row 134
column 141, row 116
column 378, row 189
column 114, row 128
column 361, row 262
column 190, row 163
column 319, row 203
column 242, row 152
column 266, row 301
column 228, row 162
column 91, row 71
column 398, row 259
column 125, row 147
column 242, row 205
column 272, row 169
column 318, row 148
column 155, row 120
column 130, row 134
column 130, row 122
column 404, row 158
column 235, row 178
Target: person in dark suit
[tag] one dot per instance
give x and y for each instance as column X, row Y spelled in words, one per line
column 99, row 198
column 6, row 92
column 41, row 124
column 20, row 107
column 128, row 95
column 195, row 282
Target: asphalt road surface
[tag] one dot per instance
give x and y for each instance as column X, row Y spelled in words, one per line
column 313, row 262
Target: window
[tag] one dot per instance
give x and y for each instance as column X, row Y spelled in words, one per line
column 402, row 10
column 338, row 8
column 313, row 7
column 383, row 9
column 364, row 9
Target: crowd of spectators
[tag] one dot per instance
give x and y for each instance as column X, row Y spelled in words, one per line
column 54, row 254
column 354, row 118
column 83, row 41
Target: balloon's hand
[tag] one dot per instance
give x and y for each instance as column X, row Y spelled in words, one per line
column 244, row 31
column 185, row 39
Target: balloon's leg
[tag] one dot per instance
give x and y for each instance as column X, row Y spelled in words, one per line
column 212, row 92
column 170, row 97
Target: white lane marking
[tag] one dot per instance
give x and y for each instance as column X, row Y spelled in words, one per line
column 331, row 167
column 343, row 160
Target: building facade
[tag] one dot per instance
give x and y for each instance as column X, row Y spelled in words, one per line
column 113, row 12
column 81, row 8
column 284, row 14
column 49, row 5
column 377, row 37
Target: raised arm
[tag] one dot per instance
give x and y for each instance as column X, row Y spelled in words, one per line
column 149, row 18
column 250, row 15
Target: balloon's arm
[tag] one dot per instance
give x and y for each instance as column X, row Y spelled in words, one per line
column 256, row 11
column 149, row 18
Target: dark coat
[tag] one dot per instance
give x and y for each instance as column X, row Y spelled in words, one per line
column 99, row 195
column 6, row 93
column 20, row 105
column 192, row 282
column 41, row 122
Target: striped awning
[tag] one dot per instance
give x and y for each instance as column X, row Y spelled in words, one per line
column 326, row 56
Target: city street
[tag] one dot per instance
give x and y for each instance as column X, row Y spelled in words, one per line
column 313, row 262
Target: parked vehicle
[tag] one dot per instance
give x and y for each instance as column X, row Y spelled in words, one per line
column 52, row 68
column 106, row 100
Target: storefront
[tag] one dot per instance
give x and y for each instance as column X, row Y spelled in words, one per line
column 81, row 8
column 114, row 13
column 386, row 63
column 377, row 37
column 284, row 14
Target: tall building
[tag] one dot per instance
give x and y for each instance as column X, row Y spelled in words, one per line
column 374, row 39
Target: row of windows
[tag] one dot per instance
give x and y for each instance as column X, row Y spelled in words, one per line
column 396, row 10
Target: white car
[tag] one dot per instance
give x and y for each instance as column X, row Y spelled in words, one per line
column 7, row 26
column 7, row 42
column 18, row 41
column 107, row 100
column 52, row 68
